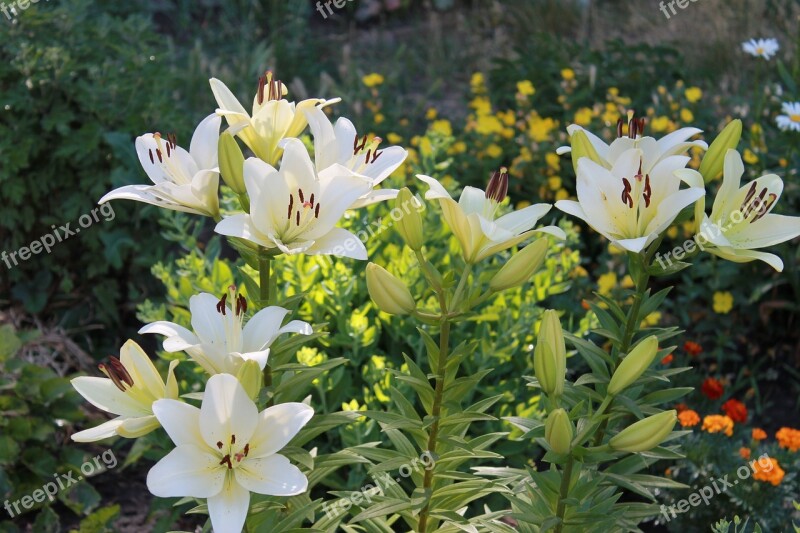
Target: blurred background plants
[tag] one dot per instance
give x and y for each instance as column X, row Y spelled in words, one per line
column 467, row 86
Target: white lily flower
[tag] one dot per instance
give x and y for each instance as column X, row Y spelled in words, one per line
column 629, row 207
column 183, row 181
column 273, row 118
column 765, row 48
column 226, row 449
column 340, row 144
column 133, row 384
column 295, row 209
column 472, row 218
column 791, row 119
column 741, row 219
column 219, row 343
column 653, row 150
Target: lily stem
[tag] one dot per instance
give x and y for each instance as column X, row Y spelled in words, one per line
column 436, row 410
column 264, row 281
column 561, row 508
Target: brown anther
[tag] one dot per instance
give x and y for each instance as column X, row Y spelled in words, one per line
column 158, row 153
column 620, row 126
column 300, row 194
column 311, row 200
column 626, row 193
column 765, row 207
column 648, row 192
column 497, row 190
column 227, row 460
column 750, row 193
column 117, row 373
column 221, row 304
column 260, row 95
column 316, row 211
column 246, row 449
column 297, row 219
column 153, row 161
column 375, row 156
column 168, row 149
column 241, row 305
column 219, row 444
column 233, row 440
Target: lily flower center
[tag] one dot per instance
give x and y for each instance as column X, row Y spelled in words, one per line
column 368, row 149
column 637, row 188
column 233, row 324
column 300, row 214
column 270, row 88
column 496, row 192
column 232, row 454
column 117, row 373
column 754, row 207
column 164, row 153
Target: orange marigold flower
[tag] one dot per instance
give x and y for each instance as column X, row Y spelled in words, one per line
column 688, row 418
column 771, row 473
column 692, row 348
column 759, row 434
column 712, row 388
column 718, row 424
column 744, row 453
column 788, row 438
column 667, row 359
column 736, row 410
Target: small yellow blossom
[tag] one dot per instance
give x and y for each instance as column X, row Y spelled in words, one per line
column 606, row 282
column 525, row 88
column 568, row 74
column 379, row 118
column 562, row 194
column 693, row 94
column 750, row 157
column 686, row 115
column 652, row 319
column 494, row 151
column 459, row 147
column 488, row 124
column 627, row 282
column 372, row 80
column 723, row 302
column 583, row 116
column 443, row 127
column 431, row 113
column 660, row 124
column 554, row 182
column 539, row 128
column 553, row 161
column 394, row 138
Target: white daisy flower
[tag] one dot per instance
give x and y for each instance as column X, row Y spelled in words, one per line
column 790, row 120
column 765, row 48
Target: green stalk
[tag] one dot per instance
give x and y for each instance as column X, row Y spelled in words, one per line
column 264, row 280
column 561, row 508
column 444, row 348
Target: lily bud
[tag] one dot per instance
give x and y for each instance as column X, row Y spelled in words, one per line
column 389, row 293
column 645, row 434
column 714, row 160
column 558, row 431
column 550, row 355
column 520, row 267
column 634, row 365
column 251, row 378
column 583, row 147
column 410, row 224
column 231, row 163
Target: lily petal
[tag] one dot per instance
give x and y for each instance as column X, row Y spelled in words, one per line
column 226, row 411
column 180, row 420
column 103, row 431
column 277, row 425
column 228, row 509
column 186, row 471
column 273, row 475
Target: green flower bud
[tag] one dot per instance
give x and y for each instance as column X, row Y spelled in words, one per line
column 389, row 293
column 410, row 224
column 635, row 363
column 231, row 163
column 583, row 147
column 520, row 267
column 714, row 160
column 550, row 355
column 558, row 431
column 645, row 434
column 251, row 378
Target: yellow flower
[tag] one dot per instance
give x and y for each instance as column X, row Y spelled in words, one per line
column 627, row 282
column 459, row 147
column 749, row 157
column 718, row 424
column 568, row 74
column 476, row 82
column 783, row 162
column 553, row 160
column 606, row 282
column 372, row 80
column 481, row 105
column 379, row 118
column 562, row 194
column 540, row 128
column 672, row 232
column 613, row 91
column 686, row 115
column 694, row 94
column 394, row 138
column 431, row 113
column 522, row 204
column 494, row 150
column 583, row 116
column 525, row 154
column 723, row 302
column 554, row 182
column 488, row 124
column 507, row 117
column 442, row 126
column 660, row 124
column 425, row 146
column 525, row 88
column 652, row 319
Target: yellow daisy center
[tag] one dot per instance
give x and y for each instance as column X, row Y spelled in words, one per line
column 795, row 118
